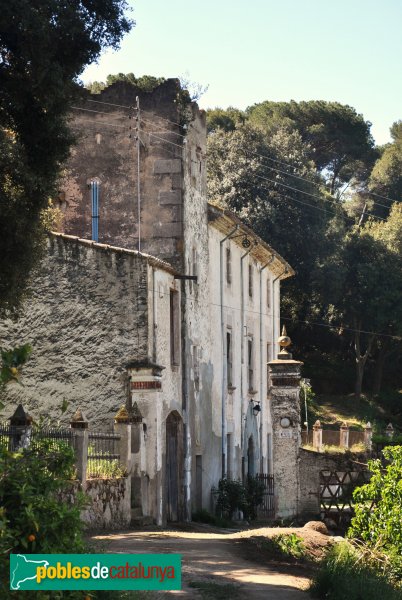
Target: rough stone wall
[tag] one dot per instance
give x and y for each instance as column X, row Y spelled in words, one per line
column 310, row 465
column 106, row 151
column 285, row 404
column 87, row 315
column 109, row 502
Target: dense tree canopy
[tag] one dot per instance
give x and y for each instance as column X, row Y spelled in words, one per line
column 271, row 164
column 339, row 139
column 44, row 46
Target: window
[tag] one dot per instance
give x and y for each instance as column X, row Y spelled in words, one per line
column 228, row 266
column 250, row 281
column 229, row 359
column 94, row 187
column 174, row 328
column 268, row 293
column 250, row 364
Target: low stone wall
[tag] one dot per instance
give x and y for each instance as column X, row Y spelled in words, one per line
column 109, row 502
column 310, row 465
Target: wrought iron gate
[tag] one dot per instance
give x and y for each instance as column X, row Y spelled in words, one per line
column 266, row 510
column 336, row 493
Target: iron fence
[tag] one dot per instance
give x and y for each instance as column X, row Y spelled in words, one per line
column 16, row 437
column 103, row 455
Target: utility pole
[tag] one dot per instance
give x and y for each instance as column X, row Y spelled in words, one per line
column 138, row 171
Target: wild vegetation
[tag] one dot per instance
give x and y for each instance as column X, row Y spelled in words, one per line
column 369, row 566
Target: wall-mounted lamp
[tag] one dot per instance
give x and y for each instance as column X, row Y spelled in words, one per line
column 256, row 409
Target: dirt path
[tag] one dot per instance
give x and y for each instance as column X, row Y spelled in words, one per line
column 214, row 560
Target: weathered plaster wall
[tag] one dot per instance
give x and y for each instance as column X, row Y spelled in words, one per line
column 88, row 314
column 202, row 446
column 310, row 465
column 241, row 423
column 156, row 405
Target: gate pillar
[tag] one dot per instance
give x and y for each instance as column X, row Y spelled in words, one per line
column 284, row 402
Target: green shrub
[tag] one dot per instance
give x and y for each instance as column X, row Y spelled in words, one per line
column 254, row 494
column 33, row 519
column 234, row 495
column 378, row 504
column 346, row 575
column 231, row 497
column 285, row 544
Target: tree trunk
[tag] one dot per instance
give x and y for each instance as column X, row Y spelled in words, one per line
column 361, row 359
column 379, row 366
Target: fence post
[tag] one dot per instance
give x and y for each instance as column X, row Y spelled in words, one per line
column 344, row 435
column 122, row 426
column 80, row 426
column 21, row 429
column 389, row 432
column 317, row 436
column 368, row 434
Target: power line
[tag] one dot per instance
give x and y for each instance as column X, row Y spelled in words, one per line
column 288, row 164
column 98, row 124
column 306, row 193
column 309, row 181
column 110, row 104
column 98, row 112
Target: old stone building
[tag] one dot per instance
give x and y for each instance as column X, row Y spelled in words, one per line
column 151, row 297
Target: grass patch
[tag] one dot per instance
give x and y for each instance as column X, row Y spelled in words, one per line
column 345, row 575
column 356, row 448
column 333, row 410
column 284, row 545
column 216, row 591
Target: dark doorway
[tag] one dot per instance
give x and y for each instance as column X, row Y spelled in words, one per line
column 174, row 467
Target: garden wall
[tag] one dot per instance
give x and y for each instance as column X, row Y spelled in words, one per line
column 109, row 502
column 310, row 465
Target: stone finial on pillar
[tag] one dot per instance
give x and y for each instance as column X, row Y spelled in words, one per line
column 21, row 429
column 79, row 420
column 317, row 436
column 135, row 414
column 284, row 342
column 122, row 415
column 122, row 426
column 79, row 423
column 344, row 435
column 368, row 434
column 389, row 431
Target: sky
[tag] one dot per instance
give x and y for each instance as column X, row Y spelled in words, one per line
column 348, row 51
